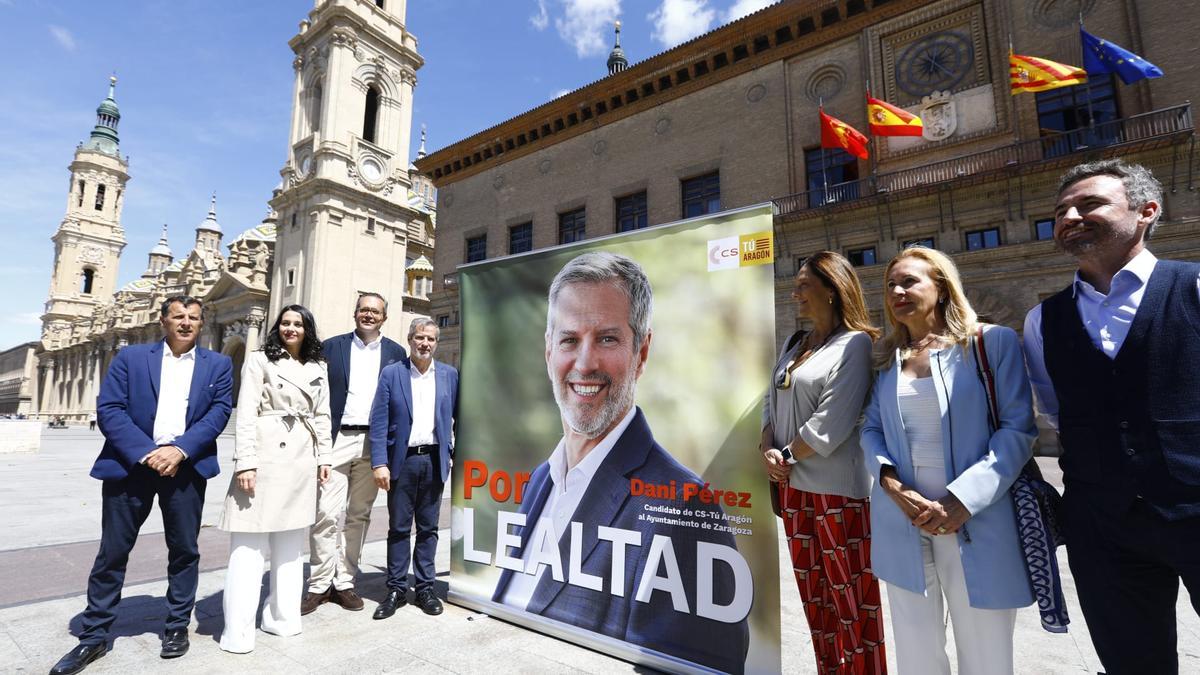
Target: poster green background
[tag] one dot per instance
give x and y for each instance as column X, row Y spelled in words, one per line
column 711, row 351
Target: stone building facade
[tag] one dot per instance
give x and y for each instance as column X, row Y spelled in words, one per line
column 351, row 215
column 729, row 119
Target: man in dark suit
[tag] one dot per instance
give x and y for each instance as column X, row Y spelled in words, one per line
column 344, row 501
column 1114, row 360
column 161, row 408
column 412, row 436
column 597, row 342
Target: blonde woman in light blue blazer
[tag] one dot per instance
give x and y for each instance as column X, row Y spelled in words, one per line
column 942, row 521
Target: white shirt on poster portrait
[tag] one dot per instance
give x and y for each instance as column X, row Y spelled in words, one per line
column 364, row 378
column 174, row 387
column 565, row 495
column 424, row 391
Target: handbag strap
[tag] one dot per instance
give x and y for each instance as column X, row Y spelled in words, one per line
column 984, row 370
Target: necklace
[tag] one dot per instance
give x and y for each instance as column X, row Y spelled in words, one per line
column 918, row 346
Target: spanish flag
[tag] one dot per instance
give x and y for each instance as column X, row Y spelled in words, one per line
column 1030, row 73
column 888, row 120
column 837, row 134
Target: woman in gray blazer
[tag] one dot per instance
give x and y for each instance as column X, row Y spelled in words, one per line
column 282, row 452
column 810, row 449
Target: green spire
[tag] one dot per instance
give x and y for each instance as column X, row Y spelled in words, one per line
column 104, row 134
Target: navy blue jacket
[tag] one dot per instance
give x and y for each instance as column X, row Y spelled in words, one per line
column 337, row 356
column 128, row 403
column 608, row 502
column 392, row 416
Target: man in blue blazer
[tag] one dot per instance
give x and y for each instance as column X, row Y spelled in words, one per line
column 597, row 342
column 412, row 436
column 344, row 501
column 161, row 408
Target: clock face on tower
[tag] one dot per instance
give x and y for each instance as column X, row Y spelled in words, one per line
column 935, row 63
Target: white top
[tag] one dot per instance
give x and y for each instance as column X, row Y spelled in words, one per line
column 922, row 417
column 565, row 494
column 1106, row 318
column 424, row 391
column 364, row 377
column 174, row 386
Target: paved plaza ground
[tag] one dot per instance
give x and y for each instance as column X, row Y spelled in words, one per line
column 53, row 526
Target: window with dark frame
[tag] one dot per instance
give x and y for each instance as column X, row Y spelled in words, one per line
column 977, row 240
column 370, row 226
column 861, row 257
column 520, row 238
column 632, row 213
column 477, row 248
column 370, row 114
column 81, row 188
column 832, row 176
column 927, row 242
column 99, row 197
column 1043, row 229
column 701, row 194
column 1082, row 111
column 443, row 321
column 572, row 225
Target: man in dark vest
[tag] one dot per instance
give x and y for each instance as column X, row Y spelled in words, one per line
column 1115, row 364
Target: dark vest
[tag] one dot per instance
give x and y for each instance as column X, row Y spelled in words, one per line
column 1130, row 426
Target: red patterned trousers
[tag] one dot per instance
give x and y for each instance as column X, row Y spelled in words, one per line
column 829, row 539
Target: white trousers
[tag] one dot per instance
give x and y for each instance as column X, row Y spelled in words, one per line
column 243, row 586
column 983, row 638
column 347, row 497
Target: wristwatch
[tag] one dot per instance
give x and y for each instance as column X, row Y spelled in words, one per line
column 787, row 454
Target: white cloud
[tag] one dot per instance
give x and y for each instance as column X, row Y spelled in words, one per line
column 741, row 8
column 677, row 21
column 63, row 37
column 560, row 93
column 540, row 20
column 585, row 24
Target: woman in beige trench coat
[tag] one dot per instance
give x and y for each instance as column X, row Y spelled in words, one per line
column 282, row 451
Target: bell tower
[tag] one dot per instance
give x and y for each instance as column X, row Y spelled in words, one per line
column 88, row 243
column 344, row 208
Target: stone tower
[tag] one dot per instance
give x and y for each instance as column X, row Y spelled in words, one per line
column 88, row 243
column 344, row 212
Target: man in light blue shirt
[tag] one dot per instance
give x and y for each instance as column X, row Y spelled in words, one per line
column 1115, row 364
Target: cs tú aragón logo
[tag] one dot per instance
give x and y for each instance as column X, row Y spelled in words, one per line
column 746, row 250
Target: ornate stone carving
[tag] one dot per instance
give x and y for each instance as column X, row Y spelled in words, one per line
column 235, row 329
column 91, row 254
column 544, row 167
column 825, row 82
column 939, row 115
column 756, row 92
column 662, row 126
column 298, row 62
column 343, row 37
column 599, row 147
column 1059, row 13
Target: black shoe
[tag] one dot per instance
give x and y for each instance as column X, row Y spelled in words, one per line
column 395, row 599
column 174, row 643
column 78, row 658
column 428, row 602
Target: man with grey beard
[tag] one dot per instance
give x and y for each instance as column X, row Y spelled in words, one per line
column 597, row 342
column 1114, row 360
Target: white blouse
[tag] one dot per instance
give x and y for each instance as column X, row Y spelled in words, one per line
column 922, row 417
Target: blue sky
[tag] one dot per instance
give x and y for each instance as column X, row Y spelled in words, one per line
column 205, row 87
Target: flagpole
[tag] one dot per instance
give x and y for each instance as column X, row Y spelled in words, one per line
column 1016, row 107
column 1088, row 84
column 824, row 178
column 874, row 165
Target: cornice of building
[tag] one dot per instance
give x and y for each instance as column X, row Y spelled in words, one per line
column 774, row 33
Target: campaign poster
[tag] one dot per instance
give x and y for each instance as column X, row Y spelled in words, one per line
column 607, row 487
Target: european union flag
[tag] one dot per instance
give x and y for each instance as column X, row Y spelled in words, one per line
column 1101, row 56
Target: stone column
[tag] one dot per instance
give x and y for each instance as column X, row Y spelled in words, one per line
column 254, row 323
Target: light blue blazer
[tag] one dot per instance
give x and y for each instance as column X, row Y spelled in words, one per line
column 980, row 467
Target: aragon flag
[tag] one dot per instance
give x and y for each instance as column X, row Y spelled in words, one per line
column 888, row 120
column 837, row 134
column 1030, row 73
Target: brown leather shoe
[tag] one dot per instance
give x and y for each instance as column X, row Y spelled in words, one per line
column 312, row 601
column 348, row 599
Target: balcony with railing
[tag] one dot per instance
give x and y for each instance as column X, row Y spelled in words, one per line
column 1153, row 129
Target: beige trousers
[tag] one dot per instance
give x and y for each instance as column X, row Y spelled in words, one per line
column 343, row 513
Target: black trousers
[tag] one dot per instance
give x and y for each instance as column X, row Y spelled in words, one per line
column 415, row 495
column 126, row 504
column 1127, row 564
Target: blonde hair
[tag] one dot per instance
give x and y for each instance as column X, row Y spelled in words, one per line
column 955, row 310
column 837, row 274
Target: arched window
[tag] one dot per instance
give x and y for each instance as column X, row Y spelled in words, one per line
column 315, row 102
column 100, row 197
column 371, row 114
column 89, row 277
